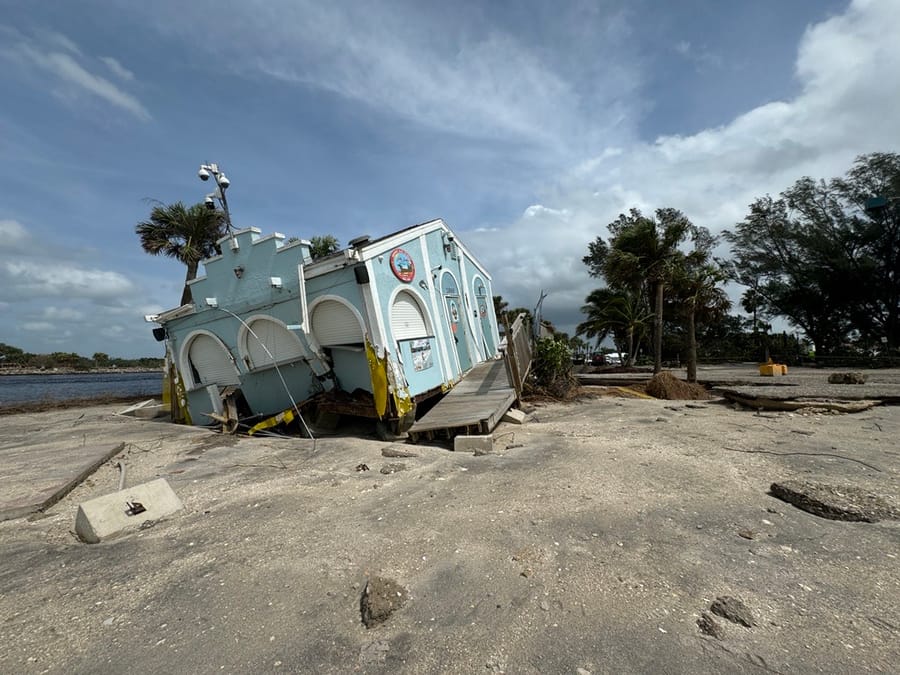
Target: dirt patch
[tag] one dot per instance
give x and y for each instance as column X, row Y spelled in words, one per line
column 562, row 389
column 381, row 598
column 835, row 502
column 666, row 386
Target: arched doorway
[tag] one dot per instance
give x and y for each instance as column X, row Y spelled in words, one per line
column 205, row 361
column 454, row 307
column 484, row 321
column 338, row 329
column 266, row 341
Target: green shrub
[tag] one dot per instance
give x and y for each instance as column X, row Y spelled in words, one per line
column 551, row 361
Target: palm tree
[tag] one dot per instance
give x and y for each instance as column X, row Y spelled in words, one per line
column 703, row 302
column 644, row 251
column 323, row 245
column 186, row 233
column 622, row 313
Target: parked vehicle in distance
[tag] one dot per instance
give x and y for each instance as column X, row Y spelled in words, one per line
column 598, row 359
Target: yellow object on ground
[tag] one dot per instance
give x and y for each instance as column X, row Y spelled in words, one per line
column 628, row 391
column 286, row 417
column 772, row 369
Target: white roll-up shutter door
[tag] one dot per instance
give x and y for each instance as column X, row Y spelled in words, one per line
column 212, row 361
column 275, row 338
column 407, row 322
column 333, row 323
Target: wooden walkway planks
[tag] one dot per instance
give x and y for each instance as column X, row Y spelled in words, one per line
column 479, row 401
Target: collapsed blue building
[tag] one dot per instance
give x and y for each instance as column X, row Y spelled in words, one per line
column 371, row 330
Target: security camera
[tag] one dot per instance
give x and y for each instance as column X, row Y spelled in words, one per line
column 210, row 203
column 223, row 181
column 450, row 237
column 203, row 173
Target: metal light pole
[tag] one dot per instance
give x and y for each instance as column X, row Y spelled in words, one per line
column 222, row 183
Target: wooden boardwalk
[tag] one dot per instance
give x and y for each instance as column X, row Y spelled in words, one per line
column 475, row 405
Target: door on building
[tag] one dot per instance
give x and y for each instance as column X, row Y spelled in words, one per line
column 483, row 319
column 453, row 304
column 208, row 362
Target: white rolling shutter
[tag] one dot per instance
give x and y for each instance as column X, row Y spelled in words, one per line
column 333, row 323
column 275, row 338
column 211, row 361
column 407, row 321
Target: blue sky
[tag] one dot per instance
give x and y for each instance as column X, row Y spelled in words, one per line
column 527, row 126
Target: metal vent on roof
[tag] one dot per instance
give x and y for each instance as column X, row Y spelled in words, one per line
column 359, row 241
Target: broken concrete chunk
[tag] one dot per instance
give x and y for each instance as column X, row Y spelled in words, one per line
column 393, row 467
column 380, row 598
column 514, row 416
column 709, row 626
column 145, row 410
column 397, row 451
column 835, row 502
column 108, row 516
column 733, row 609
column 480, row 445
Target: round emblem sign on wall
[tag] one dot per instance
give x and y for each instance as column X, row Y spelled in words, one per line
column 402, row 265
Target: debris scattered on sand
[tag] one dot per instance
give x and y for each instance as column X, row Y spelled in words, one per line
column 801, row 404
column 374, row 652
column 394, row 467
column 846, row 378
column 835, row 502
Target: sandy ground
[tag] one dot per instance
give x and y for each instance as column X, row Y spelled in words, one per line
column 590, row 542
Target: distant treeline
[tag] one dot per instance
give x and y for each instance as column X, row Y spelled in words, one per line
column 13, row 357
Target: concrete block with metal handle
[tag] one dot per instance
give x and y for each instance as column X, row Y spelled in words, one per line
column 480, row 445
column 110, row 515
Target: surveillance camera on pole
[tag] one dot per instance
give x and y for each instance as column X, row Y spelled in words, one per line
column 222, row 183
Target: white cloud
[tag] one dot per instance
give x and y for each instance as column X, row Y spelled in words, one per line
column 62, row 314
column 539, row 210
column 846, row 66
column 38, row 326
column 30, row 279
column 419, row 64
column 13, row 235
column 69, row 68
column 117, row 68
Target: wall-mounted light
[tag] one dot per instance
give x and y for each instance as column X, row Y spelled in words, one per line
column 275, row 282
column 448, row 240
column 239, row 271
column 423, row 285
column 212, row 302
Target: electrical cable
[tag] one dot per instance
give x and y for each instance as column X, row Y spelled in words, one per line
column 277, row 370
